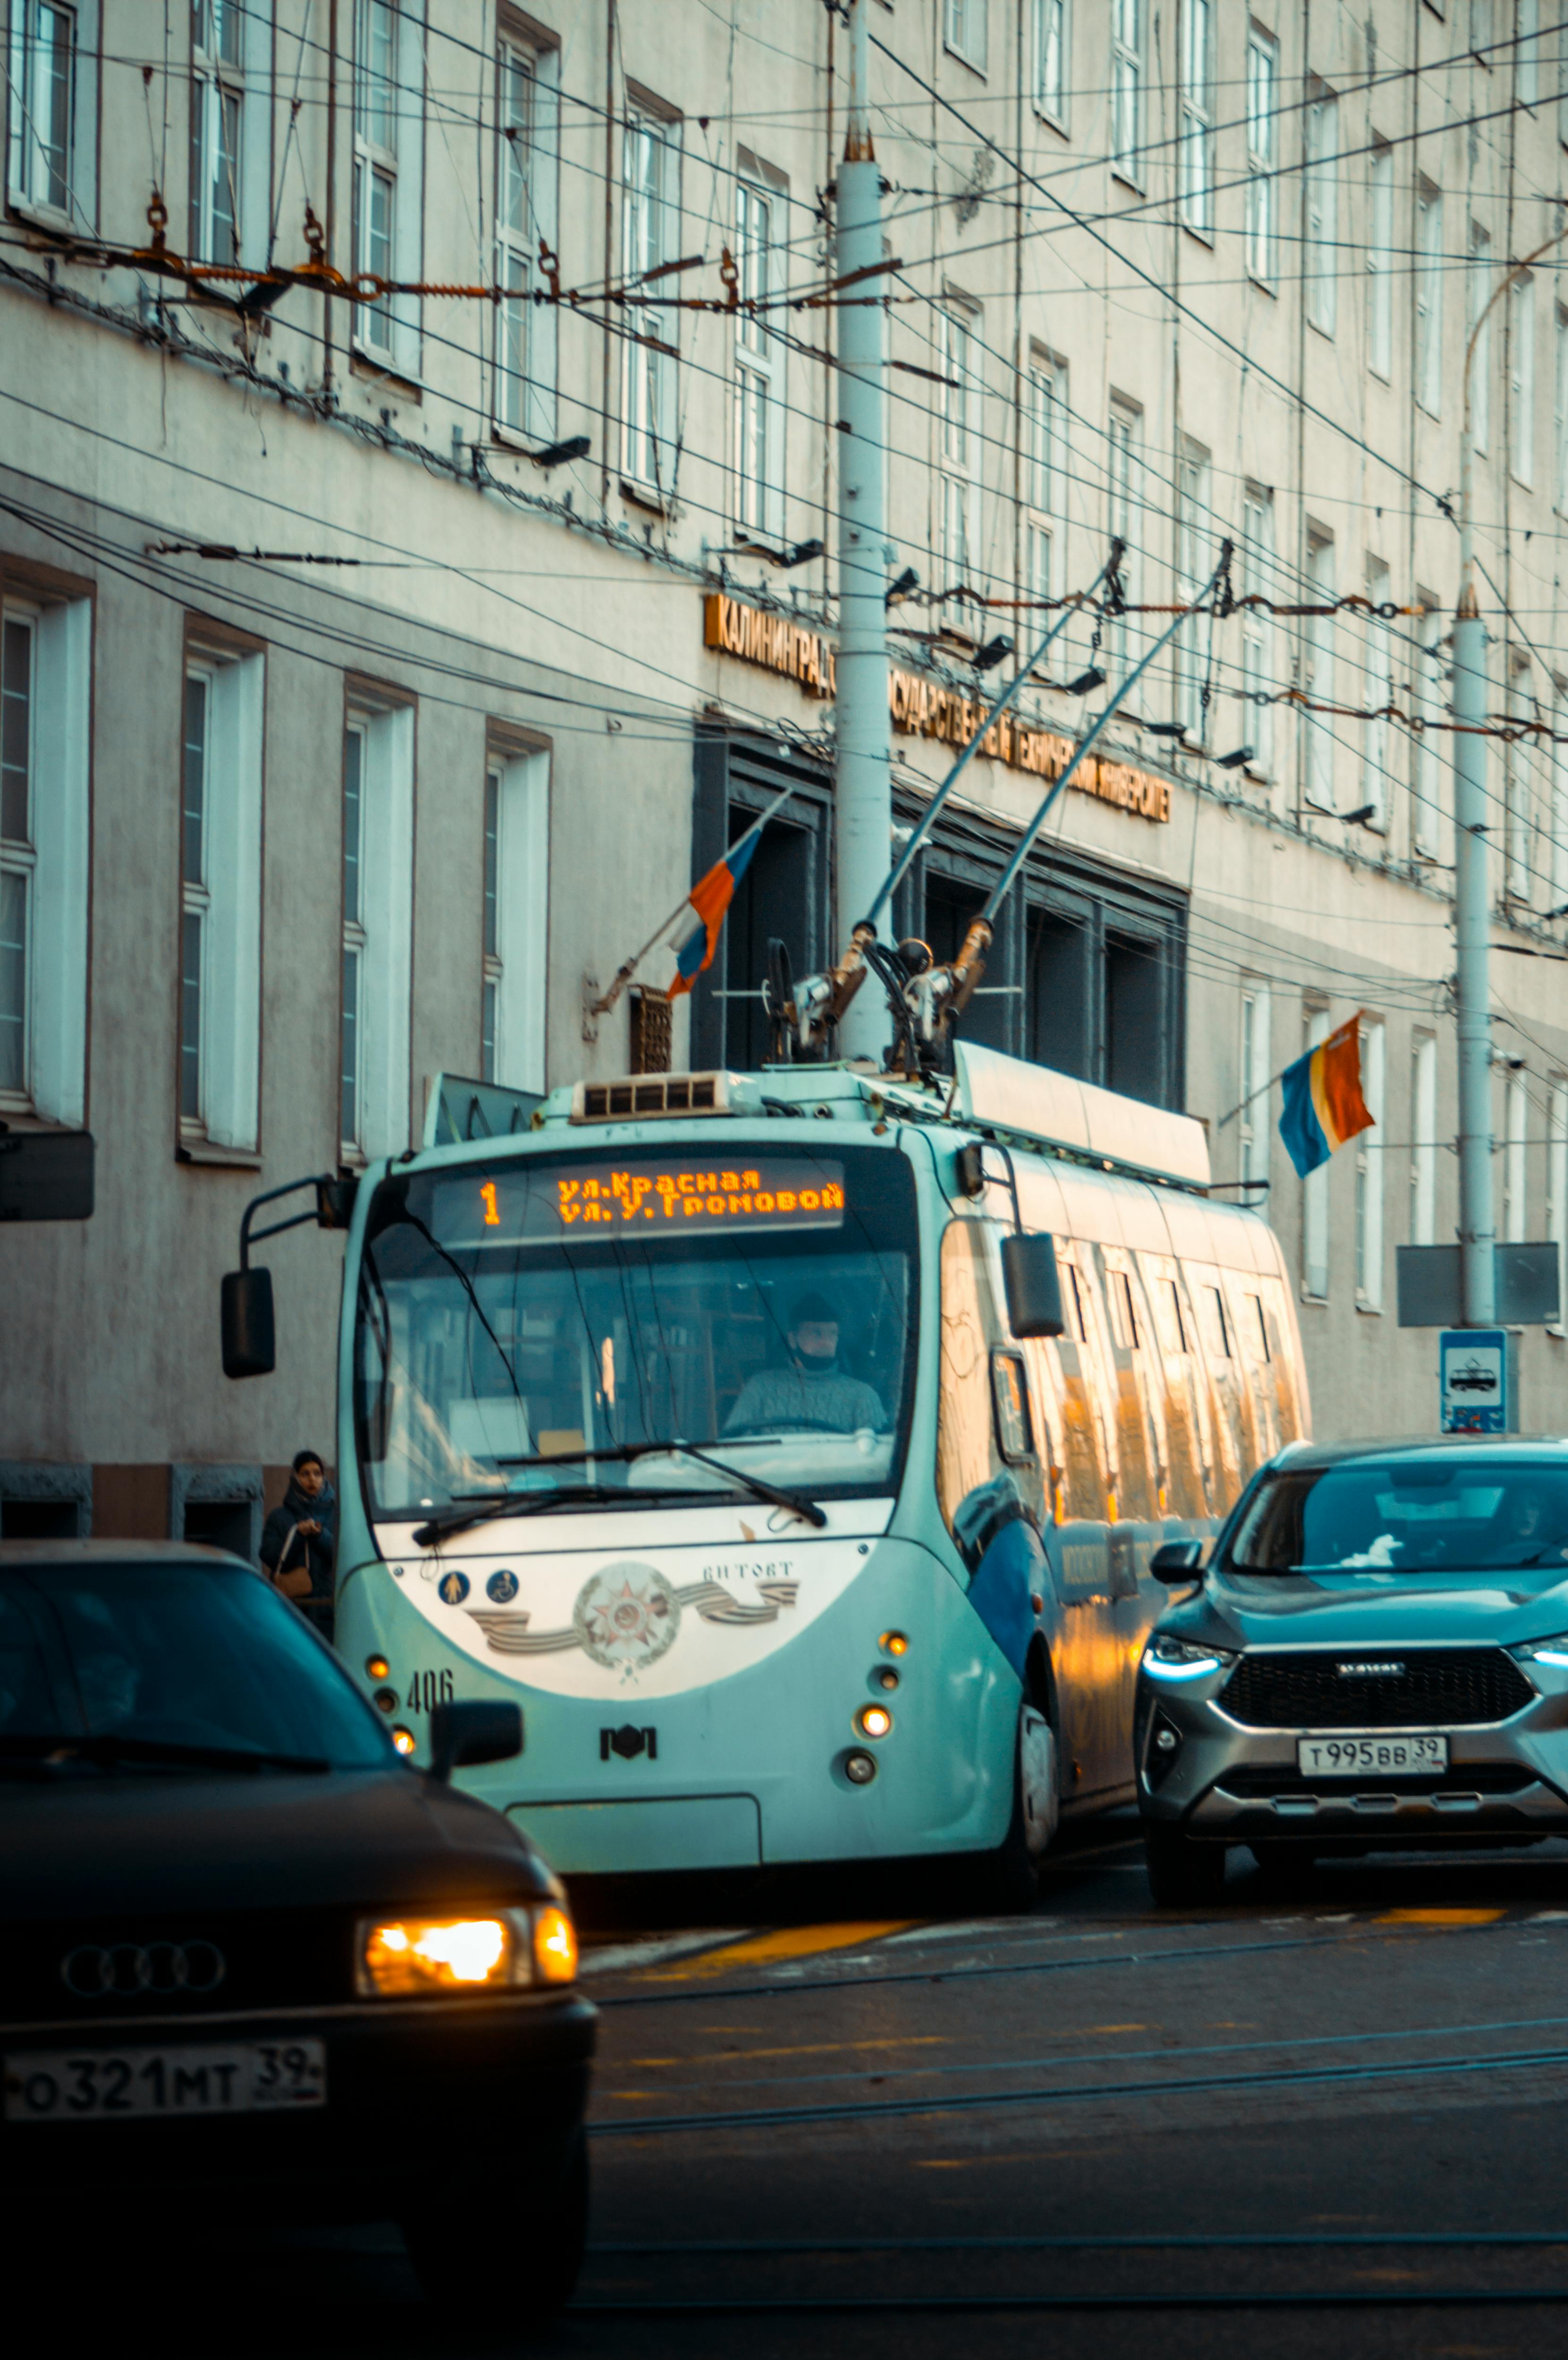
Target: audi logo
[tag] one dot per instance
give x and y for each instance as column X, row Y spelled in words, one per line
column 126, row 1969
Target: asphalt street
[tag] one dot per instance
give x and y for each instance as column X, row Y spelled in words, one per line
column 1324, row 2119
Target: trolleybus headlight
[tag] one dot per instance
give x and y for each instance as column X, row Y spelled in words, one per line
column 873, row 1721
column 404, row 1958
column 555, row 1946
column 1166, row 1659
column 403, row 1739
column 893, row 1643
column 1552, row 1652
column 377, row 1667
column 859, row 1769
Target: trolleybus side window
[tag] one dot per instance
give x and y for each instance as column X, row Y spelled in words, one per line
column 1010, row 1395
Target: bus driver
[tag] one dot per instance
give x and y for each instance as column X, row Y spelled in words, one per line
column 815, row 1390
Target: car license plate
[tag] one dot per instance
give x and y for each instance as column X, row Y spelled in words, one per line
column 66, row 2085
column 1352, row 1755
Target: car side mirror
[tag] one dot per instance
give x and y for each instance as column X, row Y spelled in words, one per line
column 461, row 1734
column 1031, row 1281
column 250, row 1346
column 1177, row 1561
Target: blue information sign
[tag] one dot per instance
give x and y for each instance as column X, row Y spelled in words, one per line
column 1473, row 1381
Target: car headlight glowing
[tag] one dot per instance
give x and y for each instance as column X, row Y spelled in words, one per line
column 1552, row 1652
column 1166, row 1659
column 413, row 1958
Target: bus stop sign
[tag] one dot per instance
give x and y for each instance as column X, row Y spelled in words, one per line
column 1473, row 1381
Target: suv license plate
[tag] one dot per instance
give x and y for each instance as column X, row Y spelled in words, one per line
column 86, row 2085
column 1352, row 1755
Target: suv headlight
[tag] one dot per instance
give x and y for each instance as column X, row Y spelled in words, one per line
column 1552, row 1652
column 1166, row 1659
column 413, row 1958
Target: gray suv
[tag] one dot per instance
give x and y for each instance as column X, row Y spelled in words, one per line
column 1375, row 1655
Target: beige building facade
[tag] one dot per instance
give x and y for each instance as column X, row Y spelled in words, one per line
column 418, row 419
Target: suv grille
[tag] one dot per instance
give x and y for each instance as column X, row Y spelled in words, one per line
column 1438, row 1687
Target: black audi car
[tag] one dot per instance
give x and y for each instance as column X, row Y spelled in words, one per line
column 1374, row 1656
column 249, row 1951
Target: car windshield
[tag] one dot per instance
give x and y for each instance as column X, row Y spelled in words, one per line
column 514, row 1318
column 147, row 1660
column 1460, row 1513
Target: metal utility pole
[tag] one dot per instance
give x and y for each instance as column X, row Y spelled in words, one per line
column 864, row 731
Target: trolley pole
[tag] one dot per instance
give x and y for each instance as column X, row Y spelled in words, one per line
column 865, row 796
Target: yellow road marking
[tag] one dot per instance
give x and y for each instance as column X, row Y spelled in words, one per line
column 1440, row 1917
column 815, row 2049
column 787, row 1943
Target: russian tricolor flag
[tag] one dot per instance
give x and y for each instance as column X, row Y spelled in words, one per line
column 707, row 908
column 1323, row 1106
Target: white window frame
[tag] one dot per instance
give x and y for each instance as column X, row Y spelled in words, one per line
column 1052, row 34
column 1557, row 795
column 1320, row 211
column 29, row 182
column 1521, row 379
column 652, row 150
column 1045, row 461
column 517, row 782
column 1256, row 1135
column 1513, row 1226
column 1518, row 788
column 1128, row 91
column 527, row 202
column 1423, row 1138
column 964, row 30
column 1262, row 155
column 1318, row 747
column 1315, row 1272
column 1428, row 385
column 1559, row 411
column 1379, row 685
column 1478, row 323
column 762, row 387
column 1257, row 625
column 1527, row 86
column 381, row 935
column 1196, row 148
column 1380, row 262
column 225, row 896
column 1123, row 509
column 1428, row 759
column 1557, row 1189
column 958, row 441
column 1369, row 1175
column 1194, row 514
column 230, row 57
column 52, row 859
column 387, row 332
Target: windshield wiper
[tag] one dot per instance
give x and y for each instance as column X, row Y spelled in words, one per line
column 110, row 1747
column 620, row 1454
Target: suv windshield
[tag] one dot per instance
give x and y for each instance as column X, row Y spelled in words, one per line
column 514, row 1318
column 1463, row 1513
column 151, row 1661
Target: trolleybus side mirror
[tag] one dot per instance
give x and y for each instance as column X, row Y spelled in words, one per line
column 481, row 1732
column 250, row 1346
column 1177, row 1561
column 1032, row 1281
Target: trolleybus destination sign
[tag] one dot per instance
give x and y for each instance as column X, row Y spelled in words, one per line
column 569, row 1199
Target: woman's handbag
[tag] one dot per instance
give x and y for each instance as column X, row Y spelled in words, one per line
column 296, row 1582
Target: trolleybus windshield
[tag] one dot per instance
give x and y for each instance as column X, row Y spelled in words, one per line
column 514, row 1318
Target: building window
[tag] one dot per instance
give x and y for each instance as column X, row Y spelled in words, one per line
column 217, row 113
column 1429, row 298
column 1379, row 696
column 1051, row 48
column 527, row 147
column 45, row 656
column 1559, row 415
column 1315, row 1195
column 1255, row 1131
column 1423, row 1138
column 1518, row 786
column 1262, row 154
column 1121, row 499
column 1557, row 1189
column 1556, row 797
column 389, row 87
column 1478, row 326
column 651, row 228
column 958, row 436
column 1516, row 1137
column 1193, row 524
column 220, row 899
column 1127, row 89
column 1318, row 675
column 1380, row 263
column 963, row 31
column 1427, row 696
column 378, row 930
column 516, row 902
column 1322, row 261
column 761, row 394
column 1257, row 625
column 43, row 105
column 1196, row 147
column 1521, row 378
column 1527, row 87
column 1369, row 1175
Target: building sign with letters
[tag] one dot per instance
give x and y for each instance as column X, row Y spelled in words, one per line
column 924, row 709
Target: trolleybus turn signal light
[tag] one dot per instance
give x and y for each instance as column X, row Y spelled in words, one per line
column 377, row 1667
column 873, row 1721
column 893, row 1643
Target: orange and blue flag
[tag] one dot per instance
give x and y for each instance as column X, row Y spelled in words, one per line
column 707, row 908
column 1323, row 1106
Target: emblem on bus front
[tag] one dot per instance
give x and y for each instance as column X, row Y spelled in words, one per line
column 626, row 1616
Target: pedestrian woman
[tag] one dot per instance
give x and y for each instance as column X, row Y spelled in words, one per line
column 299, row 1541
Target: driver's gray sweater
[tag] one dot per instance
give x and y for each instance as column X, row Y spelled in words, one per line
column 788, row 1397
